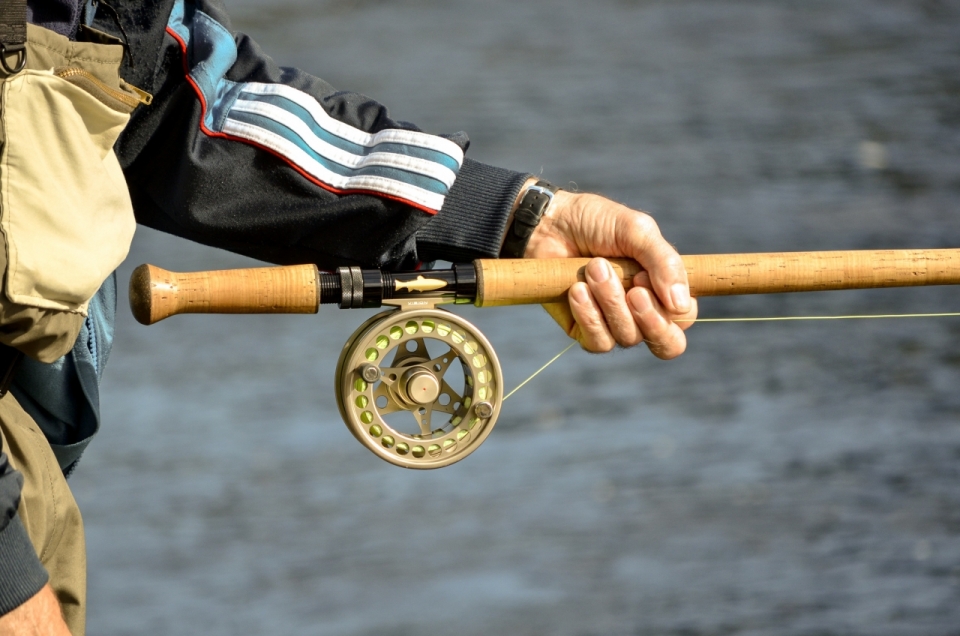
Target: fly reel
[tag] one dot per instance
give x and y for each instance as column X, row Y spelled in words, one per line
column 421, row 388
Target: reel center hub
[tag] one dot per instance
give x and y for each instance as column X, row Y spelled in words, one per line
column 419, row 385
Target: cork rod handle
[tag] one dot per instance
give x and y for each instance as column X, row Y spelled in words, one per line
column 156, row 294
column 521, row 282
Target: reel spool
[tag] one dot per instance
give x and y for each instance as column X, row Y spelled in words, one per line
column 420, row 388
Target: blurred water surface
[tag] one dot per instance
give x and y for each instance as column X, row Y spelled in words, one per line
column 778, row 479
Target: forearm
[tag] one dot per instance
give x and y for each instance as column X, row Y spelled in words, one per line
column 274, row 163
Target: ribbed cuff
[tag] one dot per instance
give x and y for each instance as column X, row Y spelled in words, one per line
column 21, row 574
column 474, row 215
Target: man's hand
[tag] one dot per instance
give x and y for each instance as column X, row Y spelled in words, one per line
column 39, row 616
column 598, row 313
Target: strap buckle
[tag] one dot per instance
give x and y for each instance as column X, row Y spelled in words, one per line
column 544, row 190
column 20, row 50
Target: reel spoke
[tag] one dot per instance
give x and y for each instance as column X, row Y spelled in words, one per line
column 403, row 354
column 389, row 375
column 440, row 364
column 423, row 419
column 392, row 405
column 455, row 399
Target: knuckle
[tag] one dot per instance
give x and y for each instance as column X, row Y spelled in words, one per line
column 657, row 333
column 669, row 347
column 624, row 329
column 654, row 325
column 592, row 341
column 598, row 346
column 674, row 262
column 630, row 340
column 645, row 224
column 591, row 323
column 591, row 331
column 609, row 295
column 671, row 353
column 588, row 322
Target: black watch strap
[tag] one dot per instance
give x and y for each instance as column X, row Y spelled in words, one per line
column 533, row 204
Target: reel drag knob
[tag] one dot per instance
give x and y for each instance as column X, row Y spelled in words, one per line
column 421, row 388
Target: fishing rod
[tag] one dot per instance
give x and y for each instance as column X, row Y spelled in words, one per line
column 371, row 386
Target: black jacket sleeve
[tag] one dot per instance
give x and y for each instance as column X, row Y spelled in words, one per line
column 21, row 574
column 274, row 163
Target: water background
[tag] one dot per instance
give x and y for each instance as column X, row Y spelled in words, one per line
column 787, row 478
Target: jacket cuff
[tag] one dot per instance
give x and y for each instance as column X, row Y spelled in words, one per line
column 21, row 574
column 474, row 215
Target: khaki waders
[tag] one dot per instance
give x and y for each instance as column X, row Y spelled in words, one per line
column 48, row 511
column 67, row 223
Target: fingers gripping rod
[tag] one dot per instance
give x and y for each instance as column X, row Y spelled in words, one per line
column 156, row 294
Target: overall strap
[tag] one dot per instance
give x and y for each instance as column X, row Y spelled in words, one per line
column 13, row 34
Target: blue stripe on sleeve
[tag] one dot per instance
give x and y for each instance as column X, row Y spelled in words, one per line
column 349, row 146
column 396, row 174
column 211, row 52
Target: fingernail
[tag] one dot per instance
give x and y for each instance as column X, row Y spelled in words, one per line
column 681, row 297
column 640, row 302
column 579, row 294
column 598, row 270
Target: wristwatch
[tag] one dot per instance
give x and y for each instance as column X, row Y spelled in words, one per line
column 530, row 210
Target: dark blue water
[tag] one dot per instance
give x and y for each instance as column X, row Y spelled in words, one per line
column 778, row 479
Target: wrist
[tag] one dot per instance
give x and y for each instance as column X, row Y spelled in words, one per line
column 552, row 237
column 532, row 204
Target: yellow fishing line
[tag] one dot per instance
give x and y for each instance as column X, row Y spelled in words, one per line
column 537, row 372
column 760, row 319
column 851, row 317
